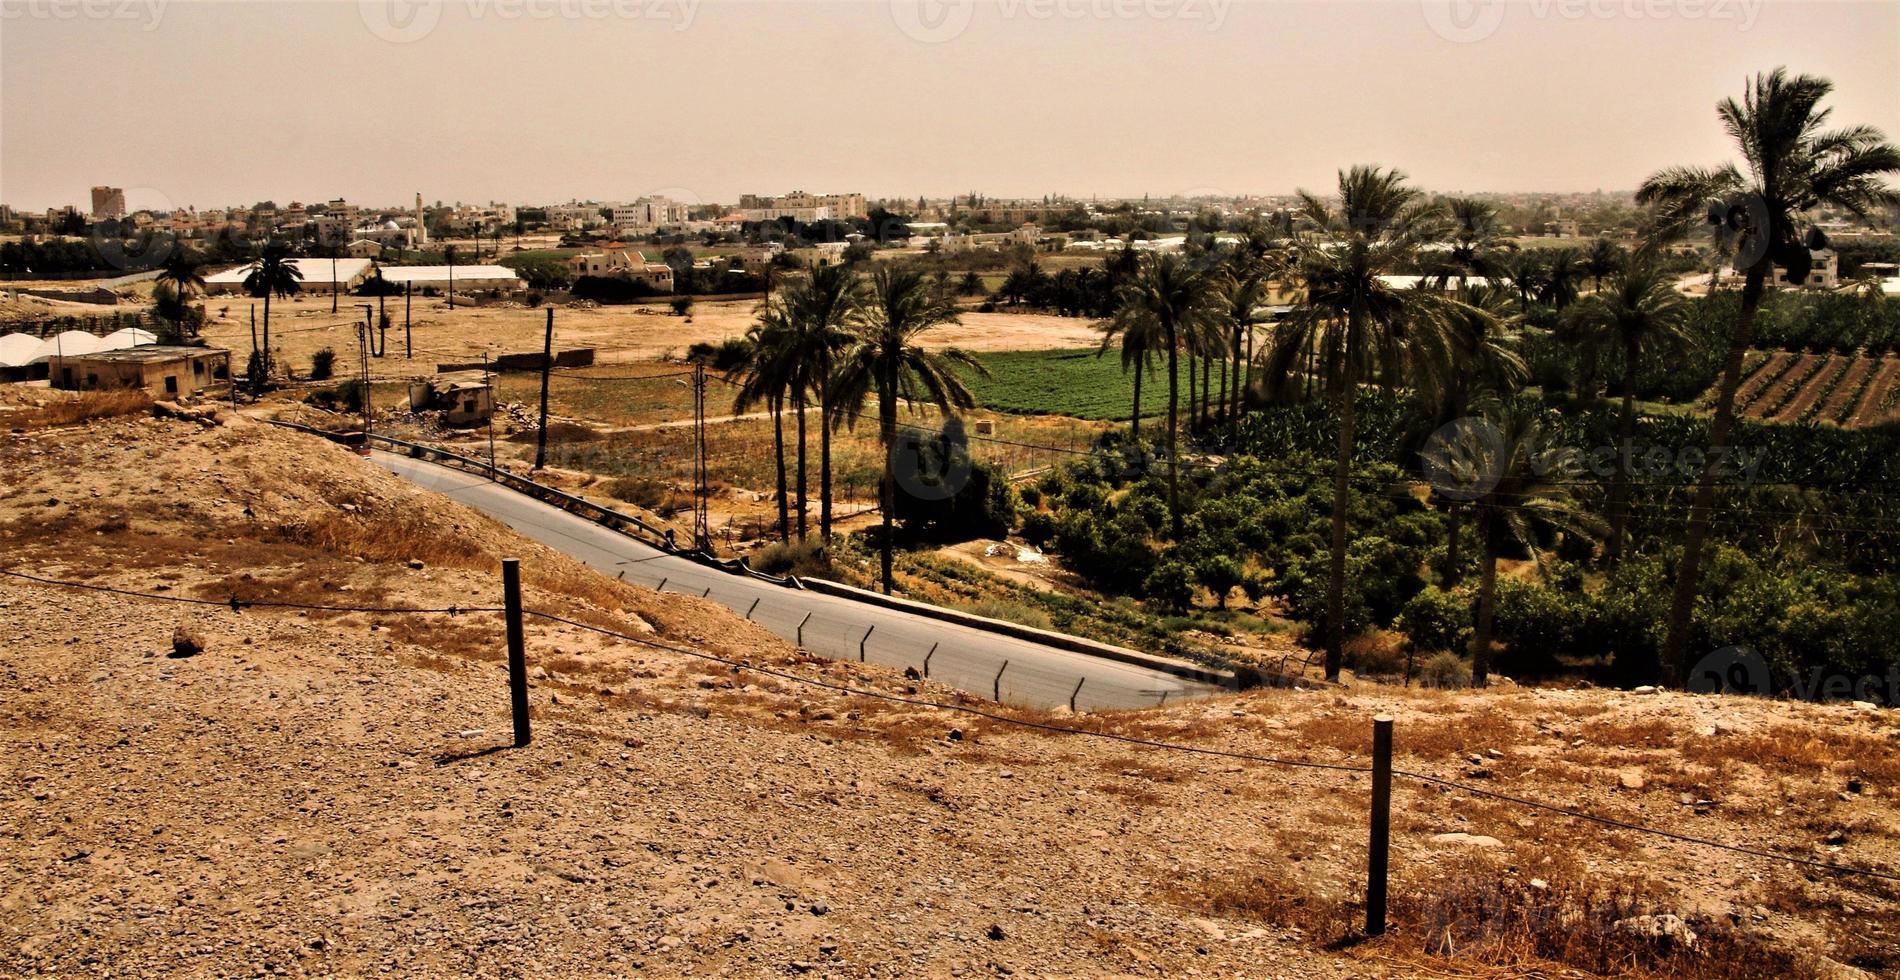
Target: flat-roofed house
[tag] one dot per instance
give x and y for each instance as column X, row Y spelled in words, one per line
column 164, row 371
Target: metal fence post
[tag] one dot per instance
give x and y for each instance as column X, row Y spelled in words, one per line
column 755, row 605
column 517, row 649
column 861, row 641
column 1378, row 854
column 1077, row 692
column 927, row 656
column 801, row 629
column 997, row 687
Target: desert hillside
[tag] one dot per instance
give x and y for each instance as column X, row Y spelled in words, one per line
column 319, row 792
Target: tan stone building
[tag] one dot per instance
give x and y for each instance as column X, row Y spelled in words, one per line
column 165, row 372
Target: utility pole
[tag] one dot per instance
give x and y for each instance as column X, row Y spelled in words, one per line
column 547, row 367
column 332, row 282
column 702, row 533
column 363, row 344
column 405, row 315
column 490, row 384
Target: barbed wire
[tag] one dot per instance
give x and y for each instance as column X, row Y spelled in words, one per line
column 1026, row 723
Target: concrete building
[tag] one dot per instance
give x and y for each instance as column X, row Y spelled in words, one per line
column 162, row 371
column 843, row 207
column 108, row 203
column 1825, row 273
column 617, row 262
column 463, row 397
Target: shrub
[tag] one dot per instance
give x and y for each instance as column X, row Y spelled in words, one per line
column 1219, row 574
column 1171, row 586
column 323, row 365
column 1039, row 528
column 1010, row 612
column 1032, row 496
column 1437, row 620
column 1445, row 669
column 1375, row 654
column 801, row 558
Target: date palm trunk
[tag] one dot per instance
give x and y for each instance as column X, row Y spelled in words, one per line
column 1689, row 576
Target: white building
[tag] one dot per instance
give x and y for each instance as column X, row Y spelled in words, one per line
column 319, row 275
column 466, row 278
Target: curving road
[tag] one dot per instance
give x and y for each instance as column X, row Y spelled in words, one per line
column 965, row 658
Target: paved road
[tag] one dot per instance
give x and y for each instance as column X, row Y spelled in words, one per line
column 965, row 658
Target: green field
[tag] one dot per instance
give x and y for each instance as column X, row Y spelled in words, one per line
column 1075, row 383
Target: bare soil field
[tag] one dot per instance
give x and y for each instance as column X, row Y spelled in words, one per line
column 304, row 324
column 1803, row 390
column 307, row 792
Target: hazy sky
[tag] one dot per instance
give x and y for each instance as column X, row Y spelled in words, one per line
column 212, row 103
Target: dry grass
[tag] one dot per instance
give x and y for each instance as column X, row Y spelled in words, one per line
column 82, row 406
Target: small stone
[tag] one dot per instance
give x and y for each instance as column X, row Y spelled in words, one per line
column 1475, row 840
column 820, row 908
column 1663, row 928
column 416, row 564
column 997, row 934
column 1854, row 785
column 1631, row 781
column 1837, row 838
column 956, row 734
column 1645, row 689
column 186, row 642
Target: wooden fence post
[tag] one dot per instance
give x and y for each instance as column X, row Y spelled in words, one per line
column 517, row 649
column 1378, row 853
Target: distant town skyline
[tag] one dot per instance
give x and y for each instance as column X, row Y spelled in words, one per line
column 701, row 101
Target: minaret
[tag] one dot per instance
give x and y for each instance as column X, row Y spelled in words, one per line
column 422, row 228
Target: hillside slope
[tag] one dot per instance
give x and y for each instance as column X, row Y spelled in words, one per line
column 326, row 792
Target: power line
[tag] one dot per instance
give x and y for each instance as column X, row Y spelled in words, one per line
column 1001, row 718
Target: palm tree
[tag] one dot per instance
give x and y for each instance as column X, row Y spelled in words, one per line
column 1563, row 270
column 1140, row 345
column 1605, row 259
column 276, row 274
column 770, row 371
column 888, row 360
column 1363, row 323
column 1642, row 314
column 824, row 309
column 1516, row 490
column 1480, row 365
column 1475, row 234
column 1794, row 166
column 1241, row 299
column 1525, row 269
column 1169, row 303
column 184, row 274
